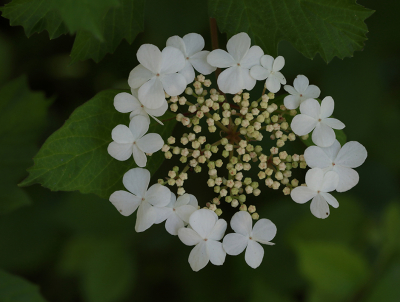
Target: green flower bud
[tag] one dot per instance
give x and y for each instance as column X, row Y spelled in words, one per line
column 258, row 149
column 234, row 160
column 238, row 121
column 218, row 212
column 225, row 153
column 175, row 169
column 254, row 184
column 295, row 164
column 183, row 159
column 197, row 169
column 217, row 189
column 214, row 149
column 228, row 199
column 247, row 181
column 234, row 191
column 219, row 163
column 211, row 165
column 242, row 198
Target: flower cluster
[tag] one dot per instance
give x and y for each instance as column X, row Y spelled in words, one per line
column 226, row 136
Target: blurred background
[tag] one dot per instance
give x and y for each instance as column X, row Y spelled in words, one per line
column 77, row 247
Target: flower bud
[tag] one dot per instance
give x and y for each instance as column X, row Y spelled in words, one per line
column 181, row 191
column 234, row 203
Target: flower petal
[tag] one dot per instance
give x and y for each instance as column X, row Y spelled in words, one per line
column 242, row 223
column 311, row 108
column 348, row 178
column 238, row 46
column 137, row 181
column 319, row 207
column 220, row 58
column 259, row 73
column 291, row 101
column 184, row 212
column 139, row 156
column 189, row 236
column 146, row 217
column 323, row 135
column 182, row 200
column 302, row 194
column 177, row 42
column 158, row 111
column 119, row 151
column 203, row 221
column 327, row 106
column 333, row 123
column 279, row 76
column 138, row 76
column 300, row 83
column 252, row 57
column 254, row 254
column 249, row 81
column 122, row 135
column 126, row 203
column 151, row 93
column 174, row 84
column 231, row 80
column 291, row 90
column 163, row 214
column 312, row 92
column 330, row 199
column 158, row 195
column 150, row 57
column 188, row 72
column 218, row 230
column 330, row 182
column 333, row 150
column 216, row 252
column 279, row 62
column 303, row 124
column 172, row 60
column 173, row 224
column 352, row 155
column 314, row 178
column 264, row 231
column 267, row 62
column 138, row 126
column 235, row 243
column 273, row 84
column 194, row 43
column 199, row 62
column 316, row 157
column 193, row 201
column 150, row 143
column 198, row 257
column 125, row 102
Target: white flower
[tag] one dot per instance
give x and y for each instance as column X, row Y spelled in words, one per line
column 239, row 59
column 157, row 72
column 339, row 160
column 300, row 92
column 133, row 141
column 136, row 181
column 177, row 212
column 270, row 70
column 125, row 102
column 318, row 186
column 205, row 232
column 247, row 237
column 316, row 117
column 190, row 46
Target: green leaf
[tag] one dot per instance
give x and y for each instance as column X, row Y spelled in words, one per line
column 16, row 289
column 332, row 267
column 22, row 117
column 123, row 22
column 328, row 27
column 75, row 157
column 391, row 226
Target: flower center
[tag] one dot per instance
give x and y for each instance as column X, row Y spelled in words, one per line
column 301, row 95
column 251, row 238
column 187, row 58
column 142, row 199
column 157, row 74
column 205, row 239
column 238, row 64
column 142, row 106
column 319, row 120
column 333, row 164
column 318, row 192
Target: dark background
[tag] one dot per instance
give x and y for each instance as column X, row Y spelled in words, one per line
column 78, row 248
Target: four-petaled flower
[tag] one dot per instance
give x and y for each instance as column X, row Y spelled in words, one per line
column 247, row 237
column 205, row 232
column 300, row 92
column 270, row 70
column 340, row 160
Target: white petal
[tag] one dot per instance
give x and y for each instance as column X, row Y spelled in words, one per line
column 238, row 45
column 193, row 201
column 254, row 254
column 139, row 156
column 249, row 81
column 150, row 57
column 311, row 108
column 177, row 42
column 319, row 207
column 252, row 57
column 121, row 134
column 242, row 223
column 327, row 106
column 139, row 111
column 279, row 62
column 330, row 182
column 158, row 111
column 150, row 143
column 218, row 230
column 264, row 231
column 172, row 60
column 316, row 157
column 184, row 212
column 231, row 80
column 259, row 73
column 163, row 214
column 323, row 135
column 273, row 84
column 138, row 76
column 138, row 126
column 126, row 203
column 279, row 76
column 216, row 252
column 301, row 83
column 291, row 90
column 235, row 243
column 312, row 92
column 125, row 102
column 220, row 58
column 158, row 195
column 173, row 224
column 267, row 62
column 330, row 199
column 348, row 178
column 314, row 178
column 182, row 200
column 333, row 150
column 291, row 101
column 146, row 217
column 137, row 181
column 189, row 236
column 302, row 194
column 333, row 123
column 199, row 62
column 352, row 155
column 151, row 93
column 174, row 84
column 202, row 221
column 188, row 72
column 119, row 151
column 303, row 124
column 198, row 257
column 194, row 43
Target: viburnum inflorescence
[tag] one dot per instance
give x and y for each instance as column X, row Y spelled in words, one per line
column 238, row 167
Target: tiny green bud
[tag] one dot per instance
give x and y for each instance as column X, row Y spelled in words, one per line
column 254, row 184
column 242, row 198
column 247, row 181
column 214, row 149
column 258, row 149
column 218, row 212
column 211, row 165
column 274, row 118
column 225, row 153
column 254, row 104
column 226, row 106
column 217, row 189
column 295, row 164
column 234, row 160
column 175, row 169
column 238, row 121
column 219, row 163
column 228, row 199
column 197, row 169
